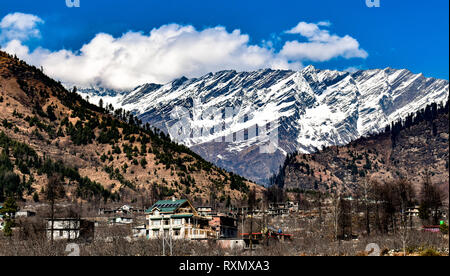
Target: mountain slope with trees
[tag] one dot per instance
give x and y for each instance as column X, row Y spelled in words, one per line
column 412, row 148
column 100, row 154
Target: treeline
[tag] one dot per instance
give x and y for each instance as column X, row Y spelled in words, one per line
column 152, row 140
column 429, row 114
column 114, row 125
column 24, row 158
column 279, row 178
column 388, row 207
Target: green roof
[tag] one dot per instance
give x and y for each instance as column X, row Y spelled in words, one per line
column 167, row 206
column 181, row 216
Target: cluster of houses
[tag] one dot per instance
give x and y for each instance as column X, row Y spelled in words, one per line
column 173, row 218
column 21, row 213
column 176, row 218
column 273, row 210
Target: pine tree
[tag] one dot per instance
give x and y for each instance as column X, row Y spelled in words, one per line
column 35, row 197
column 8, row 211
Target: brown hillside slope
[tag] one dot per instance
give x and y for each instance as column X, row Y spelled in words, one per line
column 126, row 160
column 418, row 148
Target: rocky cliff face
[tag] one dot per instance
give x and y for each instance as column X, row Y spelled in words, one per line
column 304, row 110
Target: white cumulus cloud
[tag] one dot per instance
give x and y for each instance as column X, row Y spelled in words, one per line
column 321, row 45
column 169, row 52
column 19, row 26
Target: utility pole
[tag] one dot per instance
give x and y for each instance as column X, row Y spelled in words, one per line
column 251, row 232
column 251, row 206
column 242, row 218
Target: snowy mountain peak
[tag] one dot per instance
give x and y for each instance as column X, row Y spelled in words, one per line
column 309, row 68
column 310, row 108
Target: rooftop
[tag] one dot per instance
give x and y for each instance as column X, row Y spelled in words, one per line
column 167, row 206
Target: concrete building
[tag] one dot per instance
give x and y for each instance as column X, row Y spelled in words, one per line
column 121, row 220
column 293, row 206
column 225, row 226
column 245, row 211
column 412, row 211
column 205, row 211
column 70, row 229
column 140, row 231
column 278, row 209
column 25, row 214
column 123, row 210
column 178, row 219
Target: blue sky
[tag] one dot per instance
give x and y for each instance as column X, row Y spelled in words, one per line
column 408, row 34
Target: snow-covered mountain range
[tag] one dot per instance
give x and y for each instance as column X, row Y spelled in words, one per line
column 217, row 114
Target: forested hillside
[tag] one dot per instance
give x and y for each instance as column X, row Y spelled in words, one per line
column 411, row 148
column 100, row 154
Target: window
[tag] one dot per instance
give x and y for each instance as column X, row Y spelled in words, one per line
column 156, row 222
column 178, row 221
column 177, row 232
column 155, row 233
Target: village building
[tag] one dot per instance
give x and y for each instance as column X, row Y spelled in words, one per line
column 205, row 211
column 245, row 211
column 140, row 231
column 278, row 209
column 177, row 219
column 412, row 211
column 240, row 211
column 70, row 229
column 293, row 206
column 123, row 210
column 25, row 214
column 225, row 226
column 121, row 220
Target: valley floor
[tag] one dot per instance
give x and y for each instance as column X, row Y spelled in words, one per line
column 311, row 237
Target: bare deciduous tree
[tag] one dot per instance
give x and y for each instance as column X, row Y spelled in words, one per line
column 54, row 190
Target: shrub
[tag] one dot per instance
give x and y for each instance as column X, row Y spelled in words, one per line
column 143, row 162
column 429, row 253
column 444, row 228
